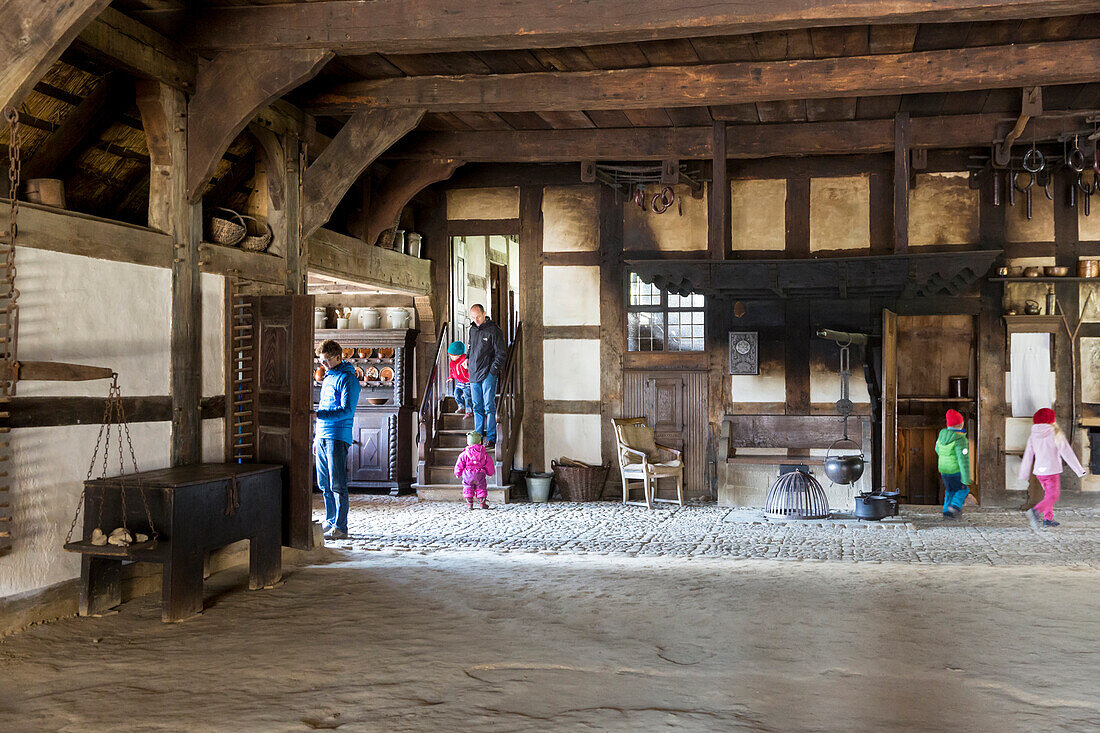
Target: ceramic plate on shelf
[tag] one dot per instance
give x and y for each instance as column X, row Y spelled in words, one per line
column 386, row 375
column 348, row 353
column 365, row 353
column 372, row 374
column 385, row 353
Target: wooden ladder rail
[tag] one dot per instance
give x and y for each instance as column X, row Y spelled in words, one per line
column 240, row 360
column 509, row 407
column 431, row 404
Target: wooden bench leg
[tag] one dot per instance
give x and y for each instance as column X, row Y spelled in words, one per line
column 100, row 585
column 181, row 589
column 265, row 560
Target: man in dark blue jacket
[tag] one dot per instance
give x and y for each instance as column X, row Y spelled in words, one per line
column 335, row 416
column 485, row 359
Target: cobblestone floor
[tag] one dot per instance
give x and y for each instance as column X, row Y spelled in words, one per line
column 919, row 536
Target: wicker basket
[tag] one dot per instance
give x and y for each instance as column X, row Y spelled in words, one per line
column 226, row 231
column 257, row 243
column 580, row 483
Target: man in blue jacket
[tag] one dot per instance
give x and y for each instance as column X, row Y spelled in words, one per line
column 335, row 416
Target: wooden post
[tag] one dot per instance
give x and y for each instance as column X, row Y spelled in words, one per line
column 530, row 267
column 612, row 324
column 901, row 182
column 289, row 219
column 1068, row 296
column 164, row 117
column 719, row 225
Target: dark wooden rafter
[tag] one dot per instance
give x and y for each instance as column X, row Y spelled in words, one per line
column 358, row 144
column 406, row 180
column 123, row 43
column 959, row 69
column 719, row 224
column 742, row 141
column 272, row 155
column 901, row 182
column 240, row 170
column 398, row 26
column 86, row 122
column 229, row 90
column 33, row 36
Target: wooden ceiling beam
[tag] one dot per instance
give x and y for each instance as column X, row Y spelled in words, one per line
column 33, row 36
column 229, row 91
column 426, row 26
column 743, row 141
column 119, row 41
column 950, row 70
column 358, row 144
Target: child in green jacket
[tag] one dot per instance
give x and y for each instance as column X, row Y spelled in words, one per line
column 953, row 449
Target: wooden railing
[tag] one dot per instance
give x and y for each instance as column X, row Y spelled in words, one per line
column 509, row 406
column 431, row 404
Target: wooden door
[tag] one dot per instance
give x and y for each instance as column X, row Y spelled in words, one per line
column 283, row 328
column 368, row 459
column 674, row 404
column 889, row 400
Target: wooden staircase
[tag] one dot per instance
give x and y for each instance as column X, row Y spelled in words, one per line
column 442, row 433
column 437, row 481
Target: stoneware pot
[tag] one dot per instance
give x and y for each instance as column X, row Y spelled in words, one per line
column 342, row 323
column 369, row 318
column 398, row 317
column 320, row 318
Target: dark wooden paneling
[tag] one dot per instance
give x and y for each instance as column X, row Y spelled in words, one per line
column 800, row 432
column 797, row 357
column 530, row 308
column 41, row 412
column 675, row 404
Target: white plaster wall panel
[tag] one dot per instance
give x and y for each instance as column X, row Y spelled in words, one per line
column 571, row 218
column 48, row 470
column 1088, row 227
column 477, row 270
column 758, row 208
column 483, row 203
column 840, row 213
column 770, row 387
column 513, row 266
column 213, row 440
column 88, row 311
column 1090, row 370
column 571, row 369
column 825, row 385
column 571, row 295
column 644, row 230
column 1041, row 226
column 572, row 436
column 213, row 334
column 943, row 210
column 1091, row 311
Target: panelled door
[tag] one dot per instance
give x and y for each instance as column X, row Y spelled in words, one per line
column 674, row 404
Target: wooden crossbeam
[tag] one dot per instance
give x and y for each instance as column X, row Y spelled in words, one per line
column 33, row 35
column 229, row 91
column 347, row 258
column 358, row 144
column 950, row 70
column 742, row 141
column 123, row 43
column 399, row 26
column 406, row 180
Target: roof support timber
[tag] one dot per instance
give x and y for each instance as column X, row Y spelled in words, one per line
column 742, row 141
column 119, row 41
column 406, row 180
column 951, row 70
column 358, row 144
column 398, row 26
column 228, row 92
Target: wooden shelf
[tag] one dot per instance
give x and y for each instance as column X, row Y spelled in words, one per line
column 1034, row 324
column 1043, row 279
column 933, row 398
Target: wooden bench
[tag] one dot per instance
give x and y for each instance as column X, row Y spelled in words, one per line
column 789, row 438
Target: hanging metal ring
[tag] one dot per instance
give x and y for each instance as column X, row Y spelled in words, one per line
column 1034, row 161
column 1030, row 181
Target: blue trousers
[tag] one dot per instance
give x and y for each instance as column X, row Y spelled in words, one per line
column 954, row 491
column 484, row 394
column 332, row 478
column 463, row 396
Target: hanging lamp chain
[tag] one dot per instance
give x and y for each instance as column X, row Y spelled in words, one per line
column 8, row 291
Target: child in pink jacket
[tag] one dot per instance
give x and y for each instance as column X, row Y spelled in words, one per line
column 474, row 464
column 1046, row 447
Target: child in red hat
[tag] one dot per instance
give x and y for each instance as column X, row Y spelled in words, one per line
column 1046, row 447
column 953, row 449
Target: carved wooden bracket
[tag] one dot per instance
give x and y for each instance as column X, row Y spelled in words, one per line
column 358, row 144
column 409, row 178
column 229, row 91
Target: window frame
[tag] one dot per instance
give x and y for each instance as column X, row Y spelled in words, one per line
column 664, row 309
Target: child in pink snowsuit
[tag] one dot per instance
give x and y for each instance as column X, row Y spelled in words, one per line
column 474, row 464
column 1046, row 447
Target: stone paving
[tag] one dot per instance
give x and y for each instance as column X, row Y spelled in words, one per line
column 919, row 535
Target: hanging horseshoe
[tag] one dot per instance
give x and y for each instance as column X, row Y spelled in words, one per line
column 1086, row 188
column 1026, row 190
column 662, row 201
column 1046, row 182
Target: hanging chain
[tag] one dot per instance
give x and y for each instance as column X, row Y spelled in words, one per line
column 8, row 291
column 114, row 416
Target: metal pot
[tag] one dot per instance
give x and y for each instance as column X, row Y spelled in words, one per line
column 843, row 469
column 876, row 506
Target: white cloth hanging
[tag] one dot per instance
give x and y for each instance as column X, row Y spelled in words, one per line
column 1032, row 382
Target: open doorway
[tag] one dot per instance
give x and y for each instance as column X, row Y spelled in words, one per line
column 484, row 270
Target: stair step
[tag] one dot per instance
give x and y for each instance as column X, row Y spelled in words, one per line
column 453, row 439
column 447, row 492
column 454, row 421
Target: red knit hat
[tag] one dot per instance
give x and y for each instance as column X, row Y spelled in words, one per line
column 954, row 417
column 1043, row 415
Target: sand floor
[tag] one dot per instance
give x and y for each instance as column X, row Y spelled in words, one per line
column 482, row 641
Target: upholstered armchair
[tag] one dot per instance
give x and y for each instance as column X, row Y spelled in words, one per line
column 643, row 461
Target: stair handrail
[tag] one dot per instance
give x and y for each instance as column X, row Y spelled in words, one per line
column 509, row 406
column 431, row 403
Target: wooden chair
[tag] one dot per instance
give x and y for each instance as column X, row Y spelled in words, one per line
column 636, row 466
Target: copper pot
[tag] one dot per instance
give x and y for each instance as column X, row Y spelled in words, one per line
column 1088, row 268
column 1033, row 271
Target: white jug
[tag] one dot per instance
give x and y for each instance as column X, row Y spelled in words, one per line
column 399, row 317
column 369, row 318
column 319, row 317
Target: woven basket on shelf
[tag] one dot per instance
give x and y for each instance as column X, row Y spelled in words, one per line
column 258, row 242
column 226, row 231
column 579, row 483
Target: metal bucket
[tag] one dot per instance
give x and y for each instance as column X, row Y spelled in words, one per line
column 538, row 487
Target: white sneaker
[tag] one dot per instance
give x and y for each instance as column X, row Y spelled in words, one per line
column 335, row 534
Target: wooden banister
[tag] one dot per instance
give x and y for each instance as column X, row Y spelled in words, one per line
column 431, row 404
column 510, row 406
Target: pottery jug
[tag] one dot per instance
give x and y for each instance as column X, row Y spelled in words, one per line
column 369, row 318
column 319, row 317
column 399, row 317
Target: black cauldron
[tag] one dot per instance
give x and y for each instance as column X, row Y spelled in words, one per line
column 876, row 505
column 843, row 469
